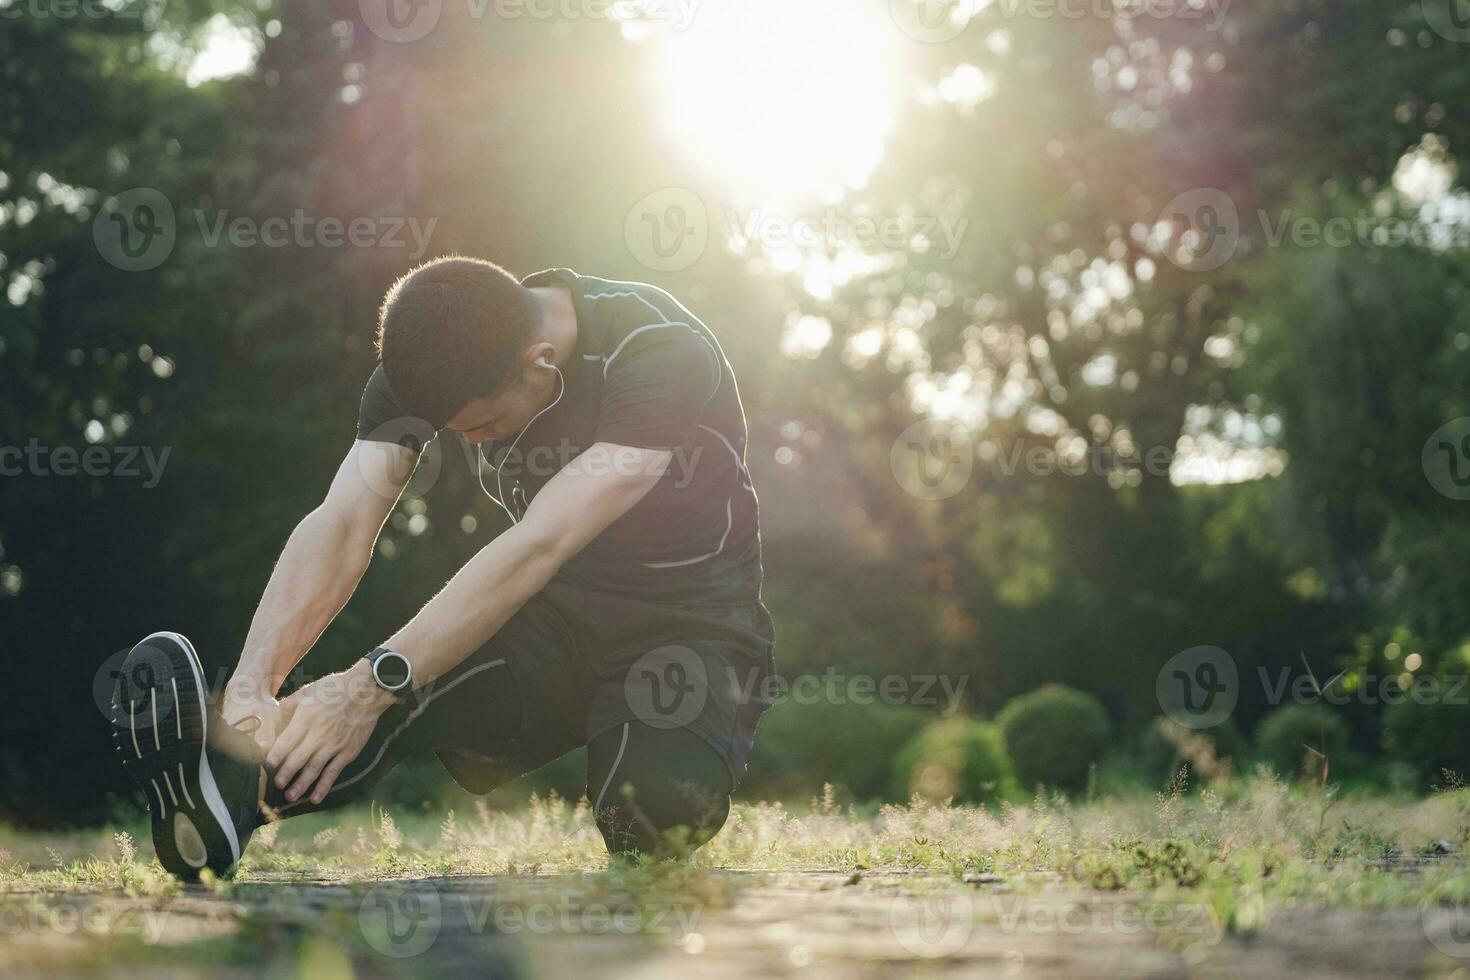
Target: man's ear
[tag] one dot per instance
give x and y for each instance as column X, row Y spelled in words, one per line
column 542, row 354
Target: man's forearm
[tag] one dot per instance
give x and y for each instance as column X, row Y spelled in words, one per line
column 477, row 601
column 318, row 571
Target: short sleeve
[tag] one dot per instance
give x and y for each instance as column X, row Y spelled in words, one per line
column 657, row 385
column 381, row 419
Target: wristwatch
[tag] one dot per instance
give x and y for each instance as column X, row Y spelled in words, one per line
column 392, row 671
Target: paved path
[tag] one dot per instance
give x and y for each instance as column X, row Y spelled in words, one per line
column 817, row 924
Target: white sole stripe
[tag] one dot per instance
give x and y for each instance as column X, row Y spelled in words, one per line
column 153, row 699
column 178, row 715
column 162, row 809
column 617, row 760
column 133, row 726
column 184, row 785
column 171, row 794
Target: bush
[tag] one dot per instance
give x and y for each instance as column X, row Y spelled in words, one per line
column 799, row 747
column 958, row 758
column 1429, row 739
column 1295, row 739
column 1166, row 746
column 1054, row 735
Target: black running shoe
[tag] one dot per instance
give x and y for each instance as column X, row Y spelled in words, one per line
column 202, row 777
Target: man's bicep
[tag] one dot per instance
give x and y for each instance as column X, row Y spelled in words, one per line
column 593, row 490
column 368, row 484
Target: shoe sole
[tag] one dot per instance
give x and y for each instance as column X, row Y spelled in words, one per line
column 160, row 728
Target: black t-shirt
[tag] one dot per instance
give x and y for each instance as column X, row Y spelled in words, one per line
column 646, row 373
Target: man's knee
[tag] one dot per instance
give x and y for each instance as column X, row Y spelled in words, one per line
column 657, row 793
column 649, row 823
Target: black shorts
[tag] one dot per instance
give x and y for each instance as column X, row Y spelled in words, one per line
column 587, row 661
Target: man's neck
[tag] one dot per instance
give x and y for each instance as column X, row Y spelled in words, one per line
column 558, row 321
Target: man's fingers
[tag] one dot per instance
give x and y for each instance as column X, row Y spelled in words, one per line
column 329, row 777
column 309, row 771
column 287, row 754
column 297, row 760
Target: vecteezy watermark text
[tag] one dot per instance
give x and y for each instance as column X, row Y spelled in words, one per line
column 1200, row 687
column 125, row 462
column 833, row 229
column 148, row 12
column 934, row 459
column 1202, row 229
column 403, row 922
column 306, row 231
column 669, row 229
column 669, row 687
column 834, row 686
column 85, row 918
column 937, row 21
column 138, row 229
column 405, row 21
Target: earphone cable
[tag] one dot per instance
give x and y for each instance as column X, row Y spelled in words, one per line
column 480, row 472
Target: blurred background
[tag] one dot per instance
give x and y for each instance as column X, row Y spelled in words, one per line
column 1104, row 360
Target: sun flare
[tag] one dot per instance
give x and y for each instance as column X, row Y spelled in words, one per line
column 781, row 98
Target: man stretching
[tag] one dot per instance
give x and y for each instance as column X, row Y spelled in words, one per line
column 621, row 610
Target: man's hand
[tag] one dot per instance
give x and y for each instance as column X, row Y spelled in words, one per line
column 330, row 720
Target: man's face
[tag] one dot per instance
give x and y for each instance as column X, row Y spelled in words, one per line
column 503, row 415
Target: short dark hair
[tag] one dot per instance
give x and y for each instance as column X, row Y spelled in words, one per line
column 452, row 331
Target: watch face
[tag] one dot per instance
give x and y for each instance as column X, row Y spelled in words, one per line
column 392, row 671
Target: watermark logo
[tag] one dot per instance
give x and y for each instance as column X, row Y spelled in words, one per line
column 1448, row 928
column 389, row 473
column 1446, row 459
column 1450, row 19
column 134, row 688
column 401, row 21
column 933, row 21
column 667, row 688
column 1198, row 687
column 401, row 923
column 668, row 230
column 932, row 925
column 136, row 230
column 1206, row 227
column 933, row 459
column 107, row 685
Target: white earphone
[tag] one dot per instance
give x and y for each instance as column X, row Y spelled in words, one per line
column 543, row 361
